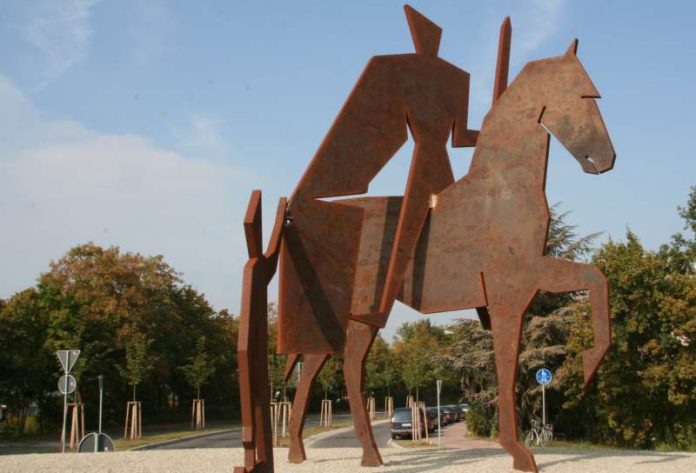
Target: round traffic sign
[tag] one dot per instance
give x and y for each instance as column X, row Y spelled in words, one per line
column 67, row 384
column 96, row 442
column 543, row 376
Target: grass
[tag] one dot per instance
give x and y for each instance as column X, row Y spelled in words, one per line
column 125, row 444
column 408, row 443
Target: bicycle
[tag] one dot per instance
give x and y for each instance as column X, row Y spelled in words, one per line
column 539, row 435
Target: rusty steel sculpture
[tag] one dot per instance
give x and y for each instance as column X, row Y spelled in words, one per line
column 477, row 242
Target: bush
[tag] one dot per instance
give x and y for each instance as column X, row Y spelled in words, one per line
column 477, row 422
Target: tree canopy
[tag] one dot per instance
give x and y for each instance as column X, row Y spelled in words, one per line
column 135, row 321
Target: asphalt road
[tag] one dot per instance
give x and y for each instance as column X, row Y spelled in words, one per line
column 348, row 439
column 233, row 438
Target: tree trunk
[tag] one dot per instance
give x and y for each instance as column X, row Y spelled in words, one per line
column 21, row 424
column 134, row 386
column 199, row 392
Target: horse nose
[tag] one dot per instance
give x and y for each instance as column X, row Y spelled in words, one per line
column 604, row 161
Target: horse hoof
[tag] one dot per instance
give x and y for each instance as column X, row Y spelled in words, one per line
column 296, row 454
column 371, row 459
column 525, row 463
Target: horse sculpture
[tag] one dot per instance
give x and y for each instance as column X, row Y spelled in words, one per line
column 478, row 242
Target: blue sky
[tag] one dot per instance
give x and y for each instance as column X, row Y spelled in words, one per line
column 145, row 124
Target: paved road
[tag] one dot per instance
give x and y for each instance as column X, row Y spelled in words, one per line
column 231, row 438
column 348, row 439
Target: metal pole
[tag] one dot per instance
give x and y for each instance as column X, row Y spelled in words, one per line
column 543, row 405
column 65, row 405
column 439, row 426
column 101, row 396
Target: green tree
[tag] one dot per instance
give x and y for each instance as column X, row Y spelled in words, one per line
column 139, row 361
column 471, row 359
column 199, row 368
column 380, row 369
column 27, row 366
column 415, row 353
column 330, row 375
column 645, row 392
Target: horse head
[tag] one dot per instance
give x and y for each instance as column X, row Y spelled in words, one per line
column 571, row 114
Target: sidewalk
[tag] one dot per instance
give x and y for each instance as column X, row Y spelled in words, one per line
column 455, row 436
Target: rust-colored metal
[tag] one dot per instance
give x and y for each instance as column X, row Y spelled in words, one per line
column 318, row 257
column 252, row 349
column 475, row 243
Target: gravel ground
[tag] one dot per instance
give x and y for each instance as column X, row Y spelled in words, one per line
column 347, row 460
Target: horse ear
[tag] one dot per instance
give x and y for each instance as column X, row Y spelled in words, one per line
column 573, row 48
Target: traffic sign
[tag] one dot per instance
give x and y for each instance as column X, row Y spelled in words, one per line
column 67, row 384
column 543, row 376
column 96, row 442
column 67, row 359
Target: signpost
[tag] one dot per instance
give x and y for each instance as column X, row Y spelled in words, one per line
column 97, row 441
column 66, row 384
column 543, row 377
column 439, row 426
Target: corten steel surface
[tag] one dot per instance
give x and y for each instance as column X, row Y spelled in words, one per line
column 253, row 339
column 319, row 252
column 484, row 242
column 477, row 243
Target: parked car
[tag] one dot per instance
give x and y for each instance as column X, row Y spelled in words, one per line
column 464, row 407
column 402, row 423
column 449, row 414
column 432, row 418
column 458, row 413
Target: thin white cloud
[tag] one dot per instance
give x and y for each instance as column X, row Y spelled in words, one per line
column 540, row 23
column 60, row 32
column 533, row 23
column 203, row 137
column 150, row 29
column 62, row 184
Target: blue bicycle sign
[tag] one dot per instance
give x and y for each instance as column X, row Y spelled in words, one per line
column 543, row 376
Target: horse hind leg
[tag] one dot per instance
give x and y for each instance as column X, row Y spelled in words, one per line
column 507, row 330
column 311, row 366
column 358, row 342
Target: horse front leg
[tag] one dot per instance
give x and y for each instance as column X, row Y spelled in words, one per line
column 566, row 276
column 506, row 329
column 311, row 366
column 358, row 342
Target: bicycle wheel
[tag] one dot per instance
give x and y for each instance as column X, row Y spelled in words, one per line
column 529, row 440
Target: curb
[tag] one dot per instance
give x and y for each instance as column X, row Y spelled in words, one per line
column 162, row 443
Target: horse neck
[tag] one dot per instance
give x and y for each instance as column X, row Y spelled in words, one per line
column 512, row 145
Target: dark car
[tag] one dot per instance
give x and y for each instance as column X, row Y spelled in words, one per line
column 402, row 423
column 443, row 416
column 431, row 412
column 449, row 414
column 458, row 413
